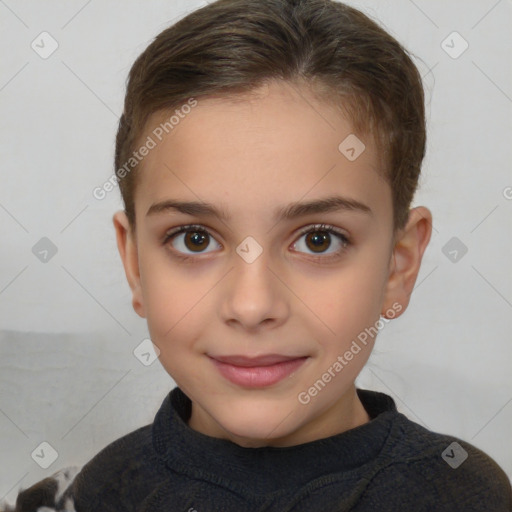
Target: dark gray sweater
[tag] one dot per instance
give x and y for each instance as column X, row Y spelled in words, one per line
column 388, row 464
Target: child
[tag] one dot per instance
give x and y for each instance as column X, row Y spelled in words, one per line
column 267, row 156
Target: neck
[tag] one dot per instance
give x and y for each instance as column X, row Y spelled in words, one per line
column 346, row 413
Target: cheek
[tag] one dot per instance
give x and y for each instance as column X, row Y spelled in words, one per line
column 166, row 294
column 173, row 308
column 347, row 303
column 173, row 314
column 177, row 303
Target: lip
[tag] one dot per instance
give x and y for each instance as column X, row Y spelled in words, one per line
column 257, row 372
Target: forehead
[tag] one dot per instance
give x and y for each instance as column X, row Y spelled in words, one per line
column 272, row 146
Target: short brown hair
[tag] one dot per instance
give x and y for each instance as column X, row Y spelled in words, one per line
column 231, row 47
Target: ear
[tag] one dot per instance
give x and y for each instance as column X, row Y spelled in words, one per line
column 409, row 246
column 127, row 246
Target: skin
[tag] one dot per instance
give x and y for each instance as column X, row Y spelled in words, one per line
column 249, row 158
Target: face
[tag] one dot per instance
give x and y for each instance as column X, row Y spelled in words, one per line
column 261, row 254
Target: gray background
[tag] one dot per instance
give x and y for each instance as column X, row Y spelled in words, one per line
column 68, row 375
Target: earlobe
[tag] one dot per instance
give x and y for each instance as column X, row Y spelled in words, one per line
column 406, row 257
column 127, row 247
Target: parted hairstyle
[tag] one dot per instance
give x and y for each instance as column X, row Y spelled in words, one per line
column 231, row 47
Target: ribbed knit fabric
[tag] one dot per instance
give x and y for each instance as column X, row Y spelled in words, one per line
column 387, row 464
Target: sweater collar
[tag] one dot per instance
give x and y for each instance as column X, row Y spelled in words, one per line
column 267, row 469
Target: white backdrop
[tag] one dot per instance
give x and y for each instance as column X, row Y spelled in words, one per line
column 68, row 375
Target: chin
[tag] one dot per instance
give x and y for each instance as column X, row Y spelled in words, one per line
column 256, row 425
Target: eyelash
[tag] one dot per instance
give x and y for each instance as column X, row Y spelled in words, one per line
column 345, row 241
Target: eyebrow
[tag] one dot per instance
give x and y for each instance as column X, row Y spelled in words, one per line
column 291, row 211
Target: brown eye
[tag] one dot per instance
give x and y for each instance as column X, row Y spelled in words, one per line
column 323, row 240
column 196, row 240
column 191, row 240
column 318, row 241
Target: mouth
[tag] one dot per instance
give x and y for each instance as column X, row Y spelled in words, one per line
column 257, row 372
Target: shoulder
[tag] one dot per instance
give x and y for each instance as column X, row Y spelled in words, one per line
column 112, row 477
column 443, row 470
column 119, row 474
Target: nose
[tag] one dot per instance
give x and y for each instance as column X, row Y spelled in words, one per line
column 253, row 298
